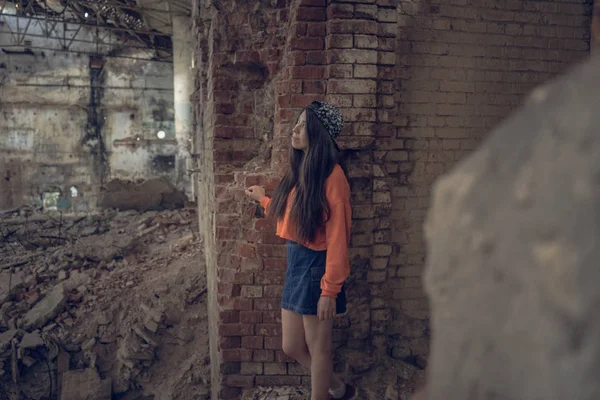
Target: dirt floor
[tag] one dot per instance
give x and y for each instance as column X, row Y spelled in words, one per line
column 101, row 305
column 112, row 305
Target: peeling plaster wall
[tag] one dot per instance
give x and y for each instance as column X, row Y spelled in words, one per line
column 64, row 123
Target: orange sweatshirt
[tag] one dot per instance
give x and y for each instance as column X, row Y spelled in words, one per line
column 334, row 236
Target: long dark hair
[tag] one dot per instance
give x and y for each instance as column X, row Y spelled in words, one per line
column 308, row 171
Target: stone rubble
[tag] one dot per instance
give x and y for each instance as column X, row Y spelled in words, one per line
column 86, row 297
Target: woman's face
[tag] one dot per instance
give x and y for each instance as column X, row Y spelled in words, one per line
column 299, row 135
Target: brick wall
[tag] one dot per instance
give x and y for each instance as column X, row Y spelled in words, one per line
column 463, row 65
column 419, row 83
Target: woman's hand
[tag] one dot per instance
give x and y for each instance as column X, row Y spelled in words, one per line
column 255, row 192
column 326, row 308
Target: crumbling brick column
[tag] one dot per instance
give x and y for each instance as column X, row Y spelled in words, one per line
column 341, row 52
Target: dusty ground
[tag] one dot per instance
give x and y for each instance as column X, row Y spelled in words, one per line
column 100, row 305
column 112, row 305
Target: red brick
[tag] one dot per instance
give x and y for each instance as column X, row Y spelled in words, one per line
column 236, row 329
column 283, row 101
column 297, row 369
column 268, row 329
column 227, row 261
column 340, row 100
column 236, row 355
column 252, row 236
column 251, row 368
column 270, row 278
column 226, row 220
column 236, row 303
column 251, row 317
column 222, row 96
column 250, row 180
column 263, row 356
column 247, row 250
column 307, row 72
column 316, row 58
column 280, row 356
column 252, row 342
column 275, row 264
column 275, row 380
column 352, row 56
column 242, row 381
column 303, row 100
column 233, row 276
column 352, row 86
column 296, row 58
column 358, row 27
column 230, row 342
column 311, row 14
column 233, row 132
column 275, row 369
column 340, row 11
column 366, row 11
column 247, row 57
column 289, row 115
column 224, row 84
column 318, row 29
column 305, row 43
column 271, row 183
column 299, row 29
column 317, row 87
column 224, row 108
column 222, row 179
column 264, row 224
column 273, row 342
column 229, row 316
column 314, row 3
column 271, row 317
column 225, row 288
column 339, row 41
column 271, row 237
column 275, row 291
column 360, row 114
column 366, row 41
column 270, row 54
column 251, row 291
column 269, row 250
column 266, row 304
column 230, row 368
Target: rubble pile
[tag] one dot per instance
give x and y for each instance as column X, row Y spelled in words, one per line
column 278, row 393
column 153, row 194
column 102, row 305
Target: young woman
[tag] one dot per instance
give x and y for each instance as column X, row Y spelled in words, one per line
column 312, row 207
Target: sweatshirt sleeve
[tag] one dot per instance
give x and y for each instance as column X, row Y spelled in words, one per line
column 337, row 235
column 265, row 203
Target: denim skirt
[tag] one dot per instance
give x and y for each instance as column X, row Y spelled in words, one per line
column 302, row 287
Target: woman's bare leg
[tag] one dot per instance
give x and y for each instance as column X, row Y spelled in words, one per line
column 293, row 340
column 320, row 344
column 294, row 343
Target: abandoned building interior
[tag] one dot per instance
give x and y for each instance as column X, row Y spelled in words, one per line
column 133, row 266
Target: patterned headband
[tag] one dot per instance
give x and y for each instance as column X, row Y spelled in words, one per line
column 329, row 116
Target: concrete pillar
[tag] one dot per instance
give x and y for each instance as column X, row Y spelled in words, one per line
column 183, row 87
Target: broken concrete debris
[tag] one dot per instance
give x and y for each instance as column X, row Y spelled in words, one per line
column 153, row 194
column 46, row 309
column 85, row 385
column 92, row 305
